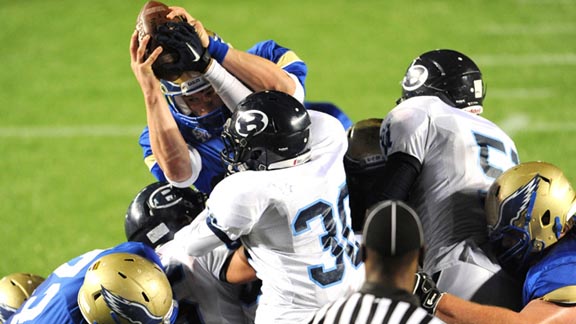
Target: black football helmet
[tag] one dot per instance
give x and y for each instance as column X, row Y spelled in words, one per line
column 448, row 75
column 268, row 130
column 160, row 210
column 364, row 163
column 364, row 153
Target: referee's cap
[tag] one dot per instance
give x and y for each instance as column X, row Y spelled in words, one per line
column 392, row 228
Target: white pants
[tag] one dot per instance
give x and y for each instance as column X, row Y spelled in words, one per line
column 466, row 271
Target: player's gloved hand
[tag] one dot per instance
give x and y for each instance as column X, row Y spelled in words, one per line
column 182, row 38
column 425, row 288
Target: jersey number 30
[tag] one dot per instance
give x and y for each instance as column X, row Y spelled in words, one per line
column 334, row 242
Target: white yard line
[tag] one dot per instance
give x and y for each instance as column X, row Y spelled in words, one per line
column 546, row 2
column 520, row 93
column 520, row 123
column 513, row 124
column 530, row 29
column 77, row 131
column 546, row 59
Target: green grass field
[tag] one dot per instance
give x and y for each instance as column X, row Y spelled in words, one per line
column 71, row 110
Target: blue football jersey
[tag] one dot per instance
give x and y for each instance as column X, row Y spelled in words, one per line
column 332, row 110
column 554, row 271
column 284, row 57
column 55, row 300
column 212, row 169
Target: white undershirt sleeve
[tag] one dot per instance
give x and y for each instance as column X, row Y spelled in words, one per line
column 228, row 87
column 196, row 163
column 299, row 91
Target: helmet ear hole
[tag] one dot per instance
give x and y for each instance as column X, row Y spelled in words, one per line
column 545, row 219
column 497, row 191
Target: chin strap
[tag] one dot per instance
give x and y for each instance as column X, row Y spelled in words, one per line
column 477, row 110
column 301, row 159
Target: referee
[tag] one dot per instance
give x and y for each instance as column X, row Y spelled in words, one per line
column 392, row 244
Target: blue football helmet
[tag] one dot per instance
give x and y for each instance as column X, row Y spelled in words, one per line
column 528, row 208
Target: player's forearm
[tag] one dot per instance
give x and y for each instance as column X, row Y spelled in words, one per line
column 197, row 239
column 239, row 270
column 167, row 143
column 452, row 309
column 258, row 73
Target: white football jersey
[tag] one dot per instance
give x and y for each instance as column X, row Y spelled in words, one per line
column 295, row 224
column 195, row 284
column 461, row 155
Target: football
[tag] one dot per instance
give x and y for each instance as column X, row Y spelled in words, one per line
column 152, row 15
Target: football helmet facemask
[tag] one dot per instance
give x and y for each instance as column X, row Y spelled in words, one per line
column 528, row 208
column 179, row 95
column 159, row 210
column 268, row 130
column 448, row 75
column 15, row 289
column 126, row 288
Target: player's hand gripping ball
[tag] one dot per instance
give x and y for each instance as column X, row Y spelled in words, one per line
column 151, row 16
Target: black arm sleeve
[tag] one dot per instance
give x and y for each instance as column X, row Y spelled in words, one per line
column 398, row 176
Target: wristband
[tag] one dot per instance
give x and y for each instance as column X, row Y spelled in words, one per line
column 217, row 49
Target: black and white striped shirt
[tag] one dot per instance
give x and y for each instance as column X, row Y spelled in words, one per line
column 371, row 306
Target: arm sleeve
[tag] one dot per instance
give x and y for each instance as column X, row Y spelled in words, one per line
column 403, row 140
column 196, row 162
column 230, row 89
column 403, row 169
